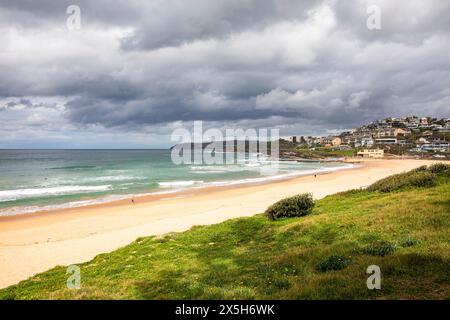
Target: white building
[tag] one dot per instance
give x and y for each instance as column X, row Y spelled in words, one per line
column 371, row 153
column 386, row 141
column 367, row 142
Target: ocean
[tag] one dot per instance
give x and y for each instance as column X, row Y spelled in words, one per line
column 34, row 180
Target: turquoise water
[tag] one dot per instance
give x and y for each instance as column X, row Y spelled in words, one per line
column 32, row 180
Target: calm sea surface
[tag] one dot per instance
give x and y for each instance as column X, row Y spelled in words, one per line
column 32, row 180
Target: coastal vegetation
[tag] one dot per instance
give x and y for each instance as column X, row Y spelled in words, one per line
column 296, row 206
column 403, row 229
column 322, row 152
column 420, row 177
column 403, row 180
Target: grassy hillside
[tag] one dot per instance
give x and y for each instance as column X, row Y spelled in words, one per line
column 405, row 232
column 324, row 153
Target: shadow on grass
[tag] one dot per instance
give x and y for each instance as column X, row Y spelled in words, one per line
column 228, row 263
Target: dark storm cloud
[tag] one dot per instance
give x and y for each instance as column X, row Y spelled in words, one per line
column 162, row 23
column 178, row 22
column 300, row 65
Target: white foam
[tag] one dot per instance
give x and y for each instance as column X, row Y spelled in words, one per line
column 11, row 195
column 112, row 178
column 77, row 204
column 222, row 169
column 253, row 164
column 171, row 184
column 280, row 176
column 209, row 172
column 170, row 187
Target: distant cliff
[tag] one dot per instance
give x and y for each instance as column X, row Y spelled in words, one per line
column 230, row 146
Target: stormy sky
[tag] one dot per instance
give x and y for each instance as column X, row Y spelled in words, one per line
column 137, row 70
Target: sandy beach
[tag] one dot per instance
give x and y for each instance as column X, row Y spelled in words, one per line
column 34, row 243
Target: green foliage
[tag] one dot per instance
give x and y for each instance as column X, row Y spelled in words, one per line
column 408, row 243
column 296, row 206
column 334, row 262
column 439, row 168
column 404, row 180
column 379, row 249
column 320, row 153
column 285, row 145
column 420, row 169
column 420, row 177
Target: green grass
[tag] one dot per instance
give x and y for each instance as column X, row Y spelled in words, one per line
column 414, row 179
column 325, row 153
column 320, row 256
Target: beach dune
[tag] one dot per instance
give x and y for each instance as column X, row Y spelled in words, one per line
column 34, row 243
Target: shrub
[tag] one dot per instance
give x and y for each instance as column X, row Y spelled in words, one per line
column 296, row 206
column 438, row 168
column 420, row 169
column 379, row 249
column 402, row 180
column 421, row 179
column 334, row 262
column 408, row 243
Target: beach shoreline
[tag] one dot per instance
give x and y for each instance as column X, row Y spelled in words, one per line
column 168, row 192
column 35, row 242
column 126, row 199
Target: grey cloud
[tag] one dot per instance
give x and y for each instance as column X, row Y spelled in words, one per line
column 20, row 103
column 175, row 22
column 47, row 13
column 159, row 24
column 401, row 21
column 295, row 65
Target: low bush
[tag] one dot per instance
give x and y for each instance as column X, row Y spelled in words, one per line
column 403, row 180
column 420, row 169
column 379, row 249
column 334, row 262
column 296, row 206
column 438, row 168
column 408, row 243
